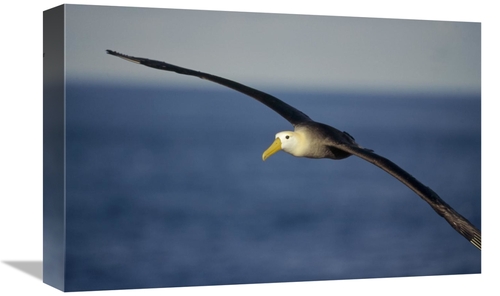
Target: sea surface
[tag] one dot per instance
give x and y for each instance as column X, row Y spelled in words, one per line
column 166, row 187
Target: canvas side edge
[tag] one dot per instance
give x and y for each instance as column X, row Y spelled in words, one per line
column 54, row 147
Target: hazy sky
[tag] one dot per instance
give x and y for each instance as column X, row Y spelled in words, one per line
column 276, row 50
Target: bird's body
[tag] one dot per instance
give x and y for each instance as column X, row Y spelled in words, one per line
column 312, row 139
column 315, row 140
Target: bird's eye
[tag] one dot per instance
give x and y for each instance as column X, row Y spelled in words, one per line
column 287, row 137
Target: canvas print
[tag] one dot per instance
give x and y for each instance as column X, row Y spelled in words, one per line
column 189, row 148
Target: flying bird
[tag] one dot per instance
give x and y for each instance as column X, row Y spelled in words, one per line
column 312, row 139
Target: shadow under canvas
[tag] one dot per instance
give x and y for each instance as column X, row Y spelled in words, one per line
column 33, row 268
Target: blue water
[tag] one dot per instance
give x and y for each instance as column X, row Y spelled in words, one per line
column 166, row 187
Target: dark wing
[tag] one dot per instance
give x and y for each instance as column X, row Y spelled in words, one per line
column 291, row 114
column 457, row 221
column 294, row 116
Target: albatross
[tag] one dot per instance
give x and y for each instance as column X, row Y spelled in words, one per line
column 312, row 139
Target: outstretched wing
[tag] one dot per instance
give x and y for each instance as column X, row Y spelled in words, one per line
column 291, row 114
column 295, row 117
column 457, row 221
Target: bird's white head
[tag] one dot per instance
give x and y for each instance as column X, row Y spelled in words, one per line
column 287, row 141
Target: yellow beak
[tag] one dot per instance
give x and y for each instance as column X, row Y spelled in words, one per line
column 275, row 147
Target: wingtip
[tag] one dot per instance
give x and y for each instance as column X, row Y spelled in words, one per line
column 476, row 241
column 123, row 56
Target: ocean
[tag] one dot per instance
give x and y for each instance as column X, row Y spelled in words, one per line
column 166, row 187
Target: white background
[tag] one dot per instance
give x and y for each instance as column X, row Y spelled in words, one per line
column 21, row 146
